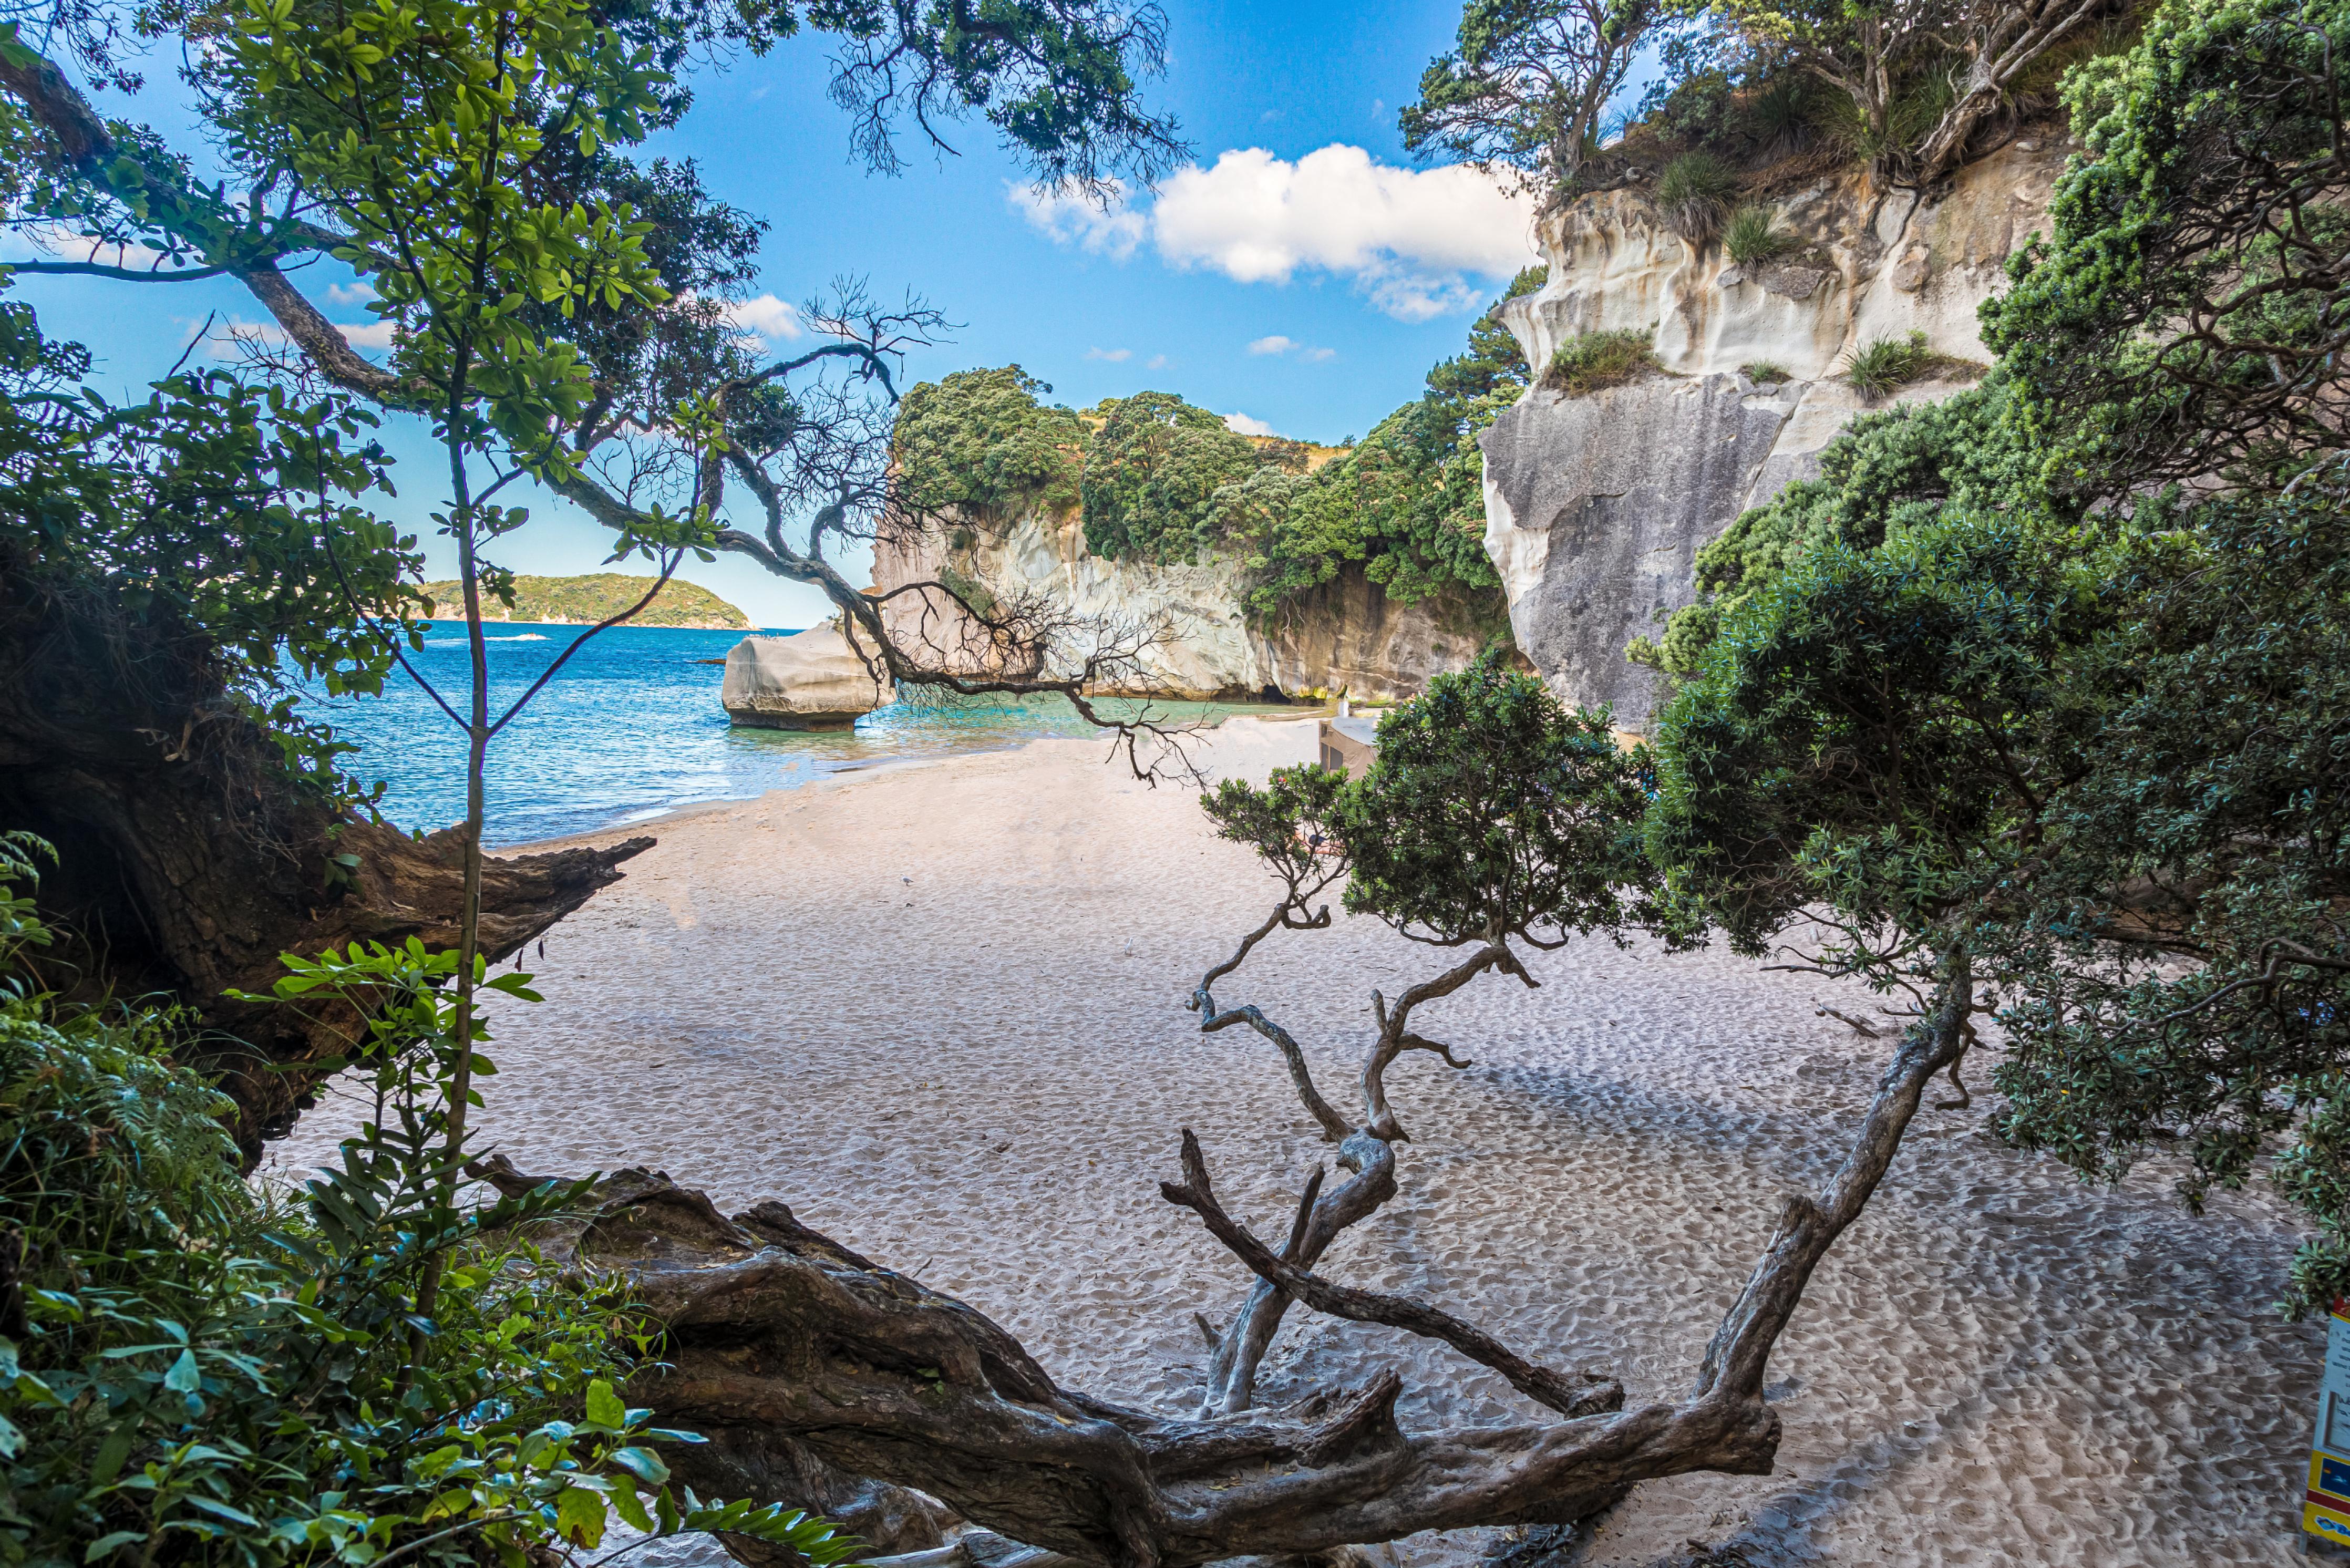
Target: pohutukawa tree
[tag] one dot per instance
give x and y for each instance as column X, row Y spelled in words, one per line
column 1490, row 817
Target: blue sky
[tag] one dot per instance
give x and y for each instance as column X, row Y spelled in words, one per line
column 1300, row 273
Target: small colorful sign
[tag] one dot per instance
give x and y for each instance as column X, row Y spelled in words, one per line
column 2325, row 1505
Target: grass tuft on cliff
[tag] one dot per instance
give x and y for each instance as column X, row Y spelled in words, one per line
column 1694, row 194
column 1887, row 364
column 598, row 596
column 1754, row 235
column 1585, row 363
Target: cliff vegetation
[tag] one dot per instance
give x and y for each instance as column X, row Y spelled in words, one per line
column 1157, row 479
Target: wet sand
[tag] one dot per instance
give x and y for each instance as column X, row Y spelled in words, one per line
column 940, row 1011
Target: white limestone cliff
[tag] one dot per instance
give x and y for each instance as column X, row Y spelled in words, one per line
column 1344, row 636
column 1595, row 506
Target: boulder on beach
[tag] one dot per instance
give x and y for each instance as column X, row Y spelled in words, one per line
column 810, row 680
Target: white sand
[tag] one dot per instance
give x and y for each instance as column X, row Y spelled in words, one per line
column 940, row 1011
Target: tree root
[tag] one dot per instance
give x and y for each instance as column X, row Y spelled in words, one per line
column 777, row 1345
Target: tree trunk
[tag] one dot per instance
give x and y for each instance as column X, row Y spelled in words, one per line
column 190, row 858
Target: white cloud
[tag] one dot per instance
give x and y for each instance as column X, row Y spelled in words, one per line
column 1115, row 356
column 358, row 293
column 1405, row 235
column 1156, row 362
column 1277, row 344
column 1418, row 242
column 763, row 322
column 374, row 334
column 1106, row 227
column 1241, row 424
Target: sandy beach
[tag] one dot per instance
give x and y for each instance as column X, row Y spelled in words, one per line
column 940, row 1011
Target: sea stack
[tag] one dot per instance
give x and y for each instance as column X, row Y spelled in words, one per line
column 810, row 680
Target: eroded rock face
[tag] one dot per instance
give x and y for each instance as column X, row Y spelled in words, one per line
column 1595, row 507
column 1346, row 634
column 810, row 680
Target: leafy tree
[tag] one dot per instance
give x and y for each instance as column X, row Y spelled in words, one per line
column 1919, row 77
column 1490, row 816
column 981, row 439
column 2187, row 312
column 1407, row 500
column 1525, row 88
column 1993, row 694
column 1152, row 469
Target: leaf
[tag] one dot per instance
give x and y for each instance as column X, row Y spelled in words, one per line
column 643, row 1463
column 183, row 1377
column 604, row 1406
column 107, row 1545
column 112, row 1452
column 630, row 1507
column 579, row 1516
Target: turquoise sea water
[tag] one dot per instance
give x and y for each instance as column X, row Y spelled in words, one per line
column 630, row 728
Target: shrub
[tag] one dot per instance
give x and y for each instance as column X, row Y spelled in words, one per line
column 1779, row 118
column 198, row 1373
column 1764, row 371
column 981, row 439
column 1753, row 235
column 1591, row 360
column 1151, row 470
column 1886, row 363
column 1694, row 195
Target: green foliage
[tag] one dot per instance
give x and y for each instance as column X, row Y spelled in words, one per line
column 1764, row 372
column 1882, row 365
column 1847, row 742
column 205, row 516
column 1886, row 474
column 1991, row 694
column 2182, row 970
column 2206, row 142
column 194, row 1373
column 1490, row 811
column 981, row 439
column 1694, row 194
column 1151, row 472
column 1591, row 360
column 1406, row 502
column 1753, row 235
column 1489, row 814
column 1291, row 823
column 1527, row 85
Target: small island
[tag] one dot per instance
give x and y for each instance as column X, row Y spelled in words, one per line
column 598, row 596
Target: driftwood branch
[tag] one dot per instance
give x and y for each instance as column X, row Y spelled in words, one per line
column 781, row 1342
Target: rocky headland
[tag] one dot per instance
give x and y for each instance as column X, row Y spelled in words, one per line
column 1346, row 635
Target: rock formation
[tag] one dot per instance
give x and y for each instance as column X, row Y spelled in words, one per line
column 1595, row 506
column 810, row 680
column 1346, row 635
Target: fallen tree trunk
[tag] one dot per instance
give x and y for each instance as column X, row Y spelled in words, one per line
column 190, row 857
column 778, row 1338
